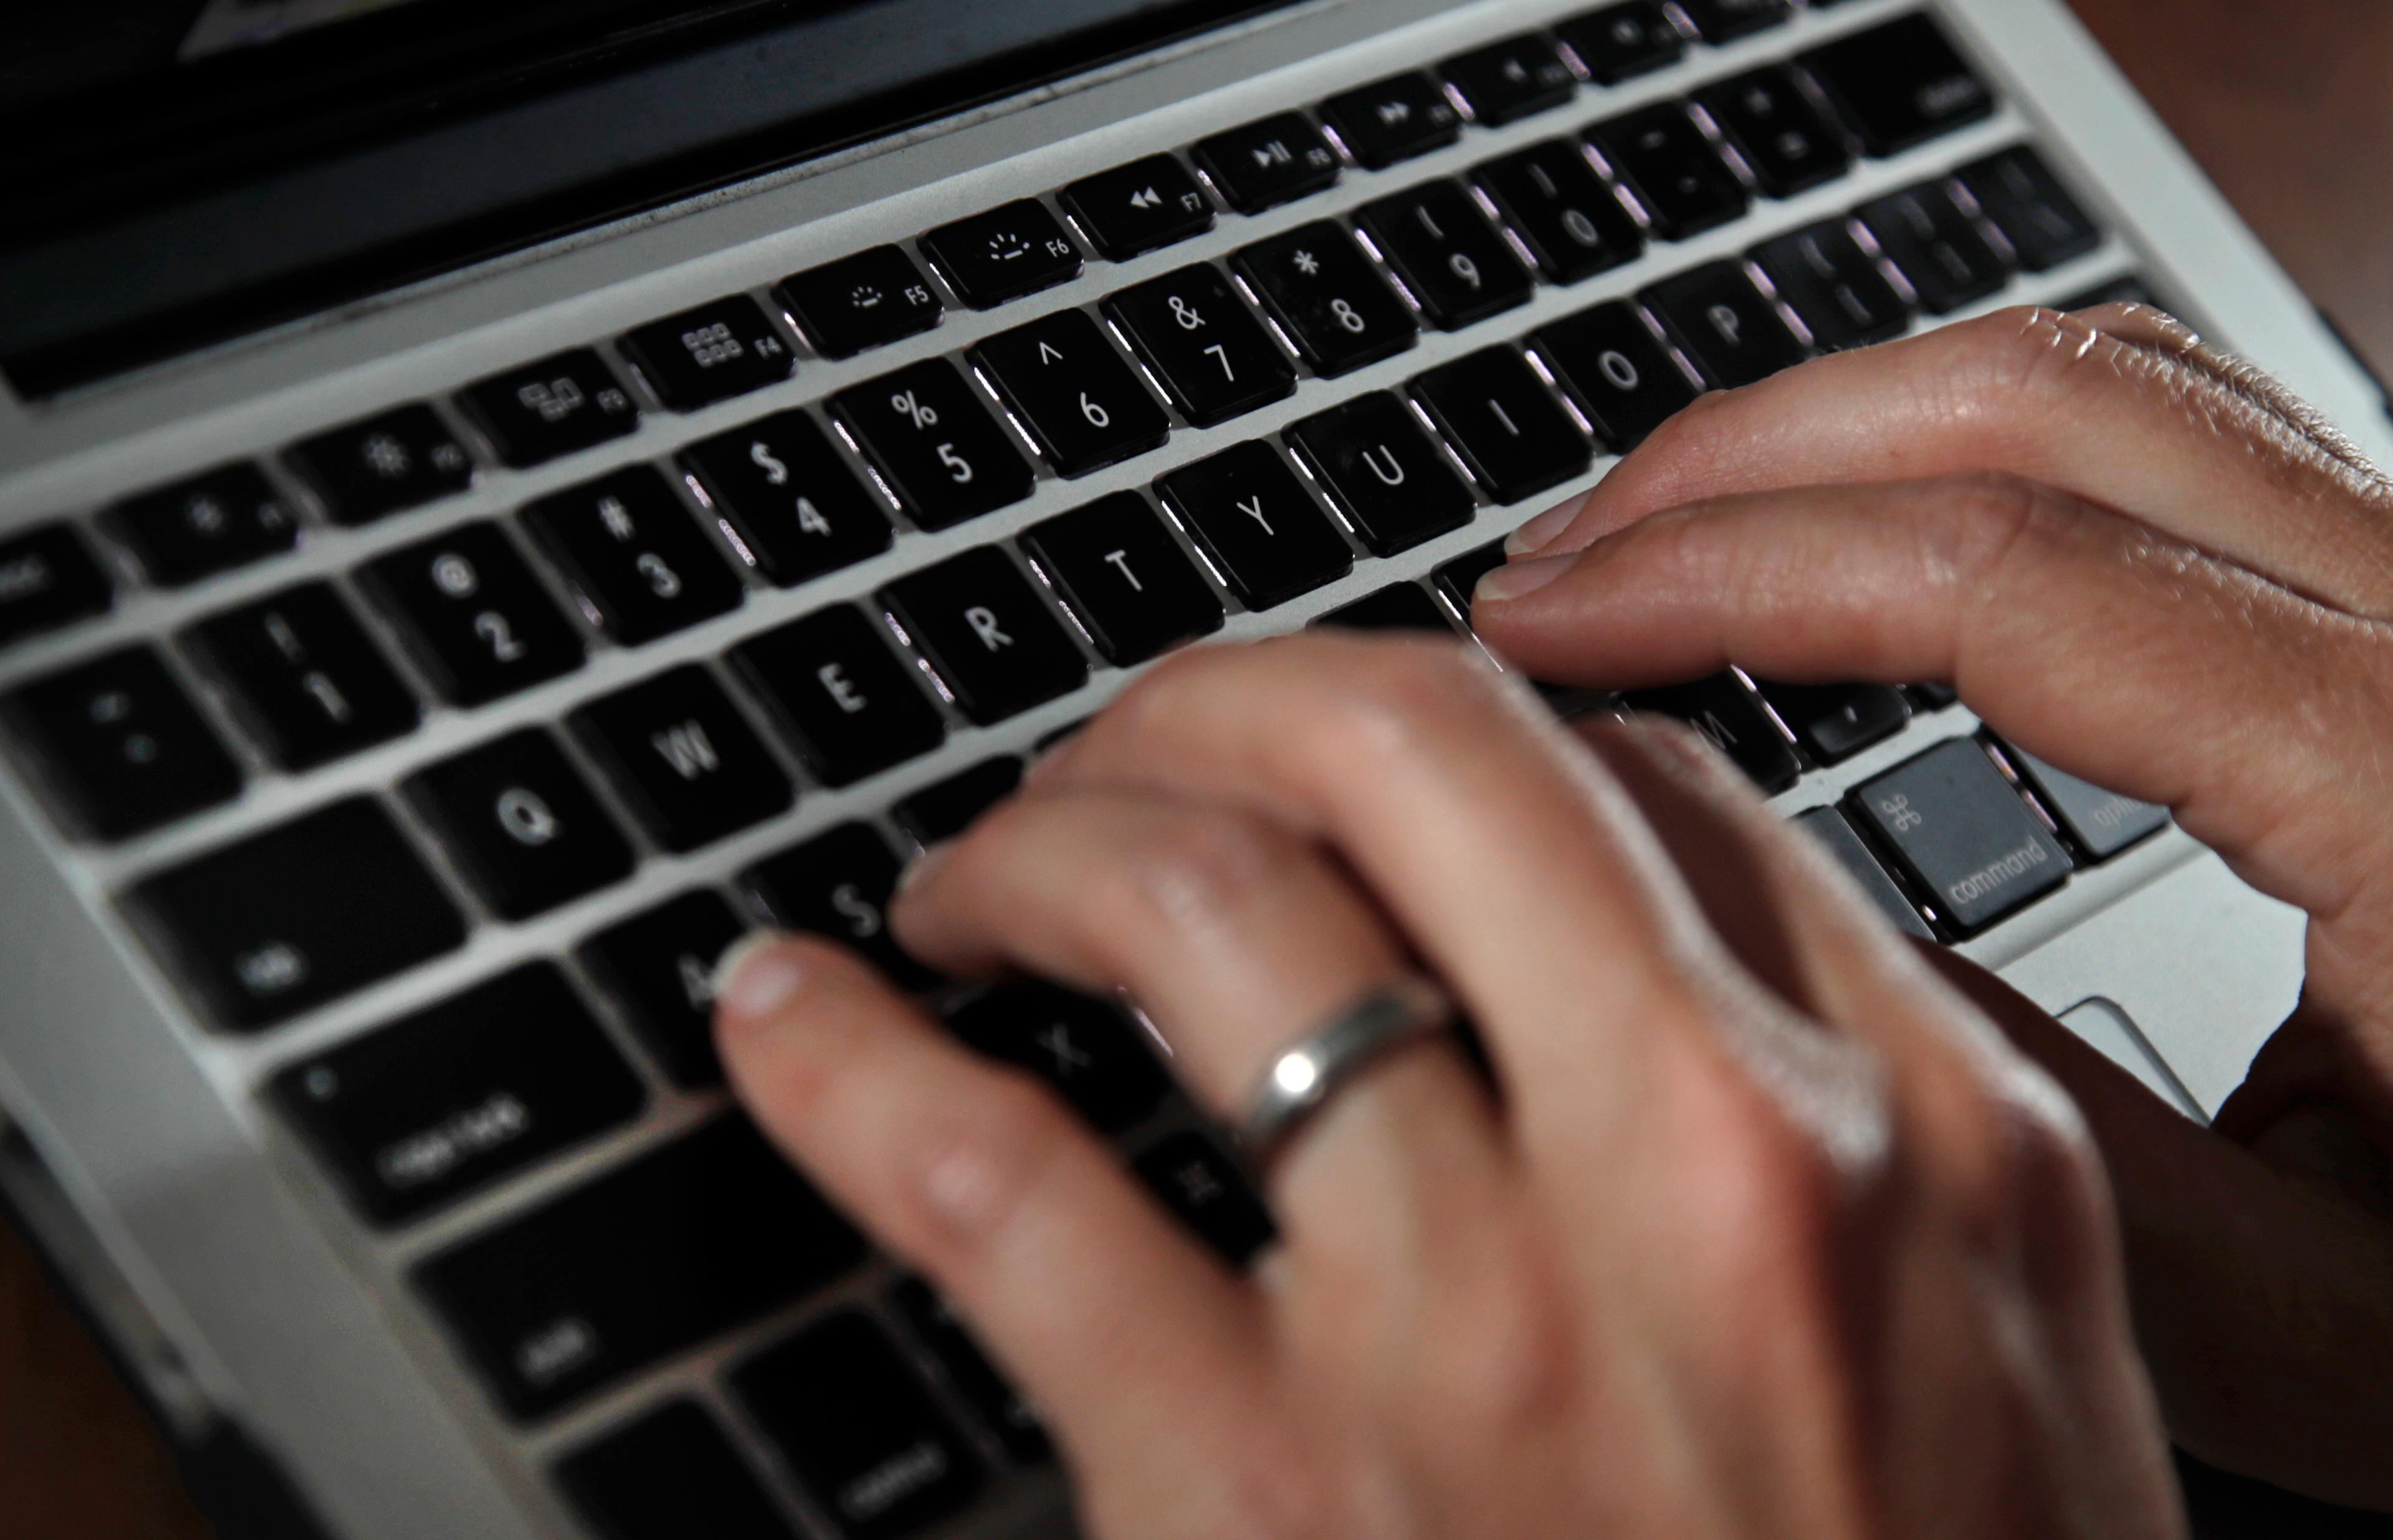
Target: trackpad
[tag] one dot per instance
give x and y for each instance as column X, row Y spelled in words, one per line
column 2194, row 971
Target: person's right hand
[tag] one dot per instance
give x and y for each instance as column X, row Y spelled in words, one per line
column 2150, row 566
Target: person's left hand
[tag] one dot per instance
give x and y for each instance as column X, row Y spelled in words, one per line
column 1756, row 1228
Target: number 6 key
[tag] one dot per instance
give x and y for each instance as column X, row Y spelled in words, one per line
column 1067, row 384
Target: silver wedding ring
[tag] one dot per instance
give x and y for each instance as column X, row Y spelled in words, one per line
column 1301, row 1079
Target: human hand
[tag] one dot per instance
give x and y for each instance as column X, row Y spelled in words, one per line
column 1755, row 1228
column 2153, row 567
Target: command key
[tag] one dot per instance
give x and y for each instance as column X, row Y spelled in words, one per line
column 1963, row 834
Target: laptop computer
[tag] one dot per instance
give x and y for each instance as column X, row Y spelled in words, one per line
column 495, row 501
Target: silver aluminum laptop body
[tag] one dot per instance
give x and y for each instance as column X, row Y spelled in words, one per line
column 212, row 1242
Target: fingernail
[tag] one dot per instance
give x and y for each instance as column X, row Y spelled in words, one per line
column 1516, row 579
column 922, row 867
column 756, row 975
column 1544, row 529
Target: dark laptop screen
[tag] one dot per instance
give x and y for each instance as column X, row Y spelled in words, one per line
column 173, row 172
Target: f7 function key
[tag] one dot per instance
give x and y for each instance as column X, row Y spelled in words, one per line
column 1139, row 207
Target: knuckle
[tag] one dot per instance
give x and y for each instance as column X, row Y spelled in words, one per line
column 1192, row 868
column 1391, row 697
column 978, row 1171
column 1983, row 524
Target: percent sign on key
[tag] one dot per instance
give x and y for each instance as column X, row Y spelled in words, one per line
column 906, row 404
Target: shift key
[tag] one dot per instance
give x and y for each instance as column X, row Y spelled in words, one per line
column 1963, row 834
column 654, row 1257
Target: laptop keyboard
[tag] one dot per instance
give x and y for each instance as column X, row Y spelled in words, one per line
column 603, row 1280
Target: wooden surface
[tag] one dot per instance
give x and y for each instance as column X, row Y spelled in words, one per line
column 2289, row 106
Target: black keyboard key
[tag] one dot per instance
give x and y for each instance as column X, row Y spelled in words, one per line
column 659, row 969
column 2026, row 201
column 1086, row 1048
column 857, row 1429
column 946, row 808
column 1617, row 372
column 1214, row 359
column 1725, row 712
column 1083, row 406
column 1398, row 606
column 838, row 884
column 1661, row 156
column 1835, row 722
column 2101, row 823
column 1393, row 120
column 119, row 747
column 305, row 676
column 1009, row 252
column 1137, row 208
column 937, row 1326
column 853, row 707
column 1620, row 42
column 652, row 1258
column 1506, row 81
column 226, row 518
column 942, row 452
column 1503, row 422
column 869, row 300
column 977, row 619
column 1268, row 540
column 1125, row 579
column 1962, row 834
column 642, row 565
column 666, row 1477
column 473, row 616
column 400, row 460
column 1328, row 298
column 48, row 579
column 288, row 919
column 709, row 354
column 684, row 757
column 455, row 1098
column 1726, row 20
column 1937, row 247
column 1783, row 137
column 1447, row 254
column 1931, row 698
column 1726, row 325
column 1568, row 215
column 787, row 498
column 551, row 407
column 1393, row 486
column 1272, row 162
column 1900, row 84
column 1835, row 287
column 1209, row 1195
column 523, row 825
column 1828, row 826
column 1458, row 580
